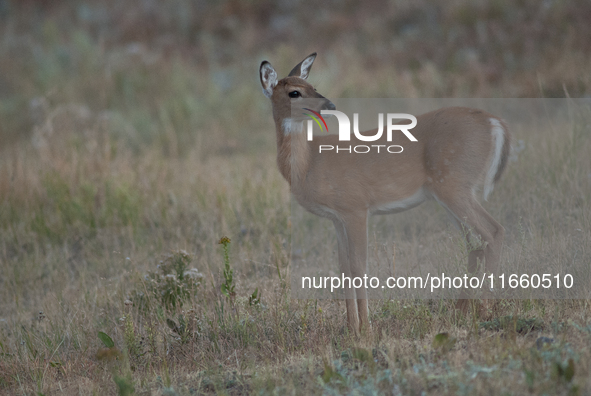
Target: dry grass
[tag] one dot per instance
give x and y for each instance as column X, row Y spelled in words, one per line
column 129, row 132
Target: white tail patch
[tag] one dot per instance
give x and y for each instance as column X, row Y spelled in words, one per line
column 498, row 135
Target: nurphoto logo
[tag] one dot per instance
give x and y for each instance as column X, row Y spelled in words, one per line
column 345, row 131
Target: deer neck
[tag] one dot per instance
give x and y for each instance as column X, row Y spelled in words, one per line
column 293, row 151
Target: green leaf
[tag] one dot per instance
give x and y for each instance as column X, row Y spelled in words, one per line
column 107, row 341
column 255, row 297
column 440, row 339
column 444, row 342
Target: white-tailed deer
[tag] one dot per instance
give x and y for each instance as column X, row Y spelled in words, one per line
column 458, row 149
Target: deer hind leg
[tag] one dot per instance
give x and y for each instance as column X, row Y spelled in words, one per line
column 493, row 255
column 489, row 240
column 484, row 235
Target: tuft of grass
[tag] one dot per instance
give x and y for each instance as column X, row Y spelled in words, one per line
column 174, row 283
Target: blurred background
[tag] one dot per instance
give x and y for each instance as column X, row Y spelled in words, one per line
column 152, row 66
column 129, row 128
column 134, row 127
column 134, row 135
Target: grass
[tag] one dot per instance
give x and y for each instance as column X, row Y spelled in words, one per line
column 125, row 156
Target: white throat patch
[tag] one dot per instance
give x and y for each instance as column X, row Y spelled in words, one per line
column 290, row 126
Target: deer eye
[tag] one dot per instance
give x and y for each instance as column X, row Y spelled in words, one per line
column 294, row 94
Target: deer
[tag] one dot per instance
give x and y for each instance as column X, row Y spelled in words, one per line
column 457, row 151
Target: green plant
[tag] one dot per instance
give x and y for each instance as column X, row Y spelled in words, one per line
column 255, row 298
column 129, row 335
column 228, row 287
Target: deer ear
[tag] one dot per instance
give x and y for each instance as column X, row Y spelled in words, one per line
column 268, row 78
column 302, row 70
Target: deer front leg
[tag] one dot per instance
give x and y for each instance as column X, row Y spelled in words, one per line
column 344, row 266
column 356, row 229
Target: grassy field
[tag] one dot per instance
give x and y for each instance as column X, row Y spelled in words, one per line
column 134, row 136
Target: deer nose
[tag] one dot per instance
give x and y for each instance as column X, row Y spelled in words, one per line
column 329, row 105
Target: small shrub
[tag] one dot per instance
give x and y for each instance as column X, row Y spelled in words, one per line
column 173, row 283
